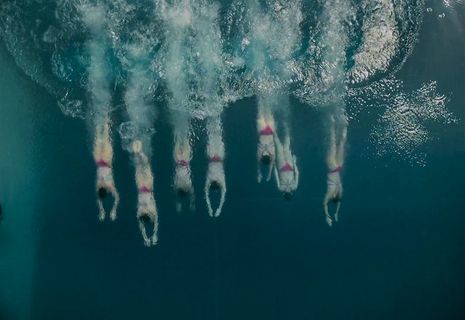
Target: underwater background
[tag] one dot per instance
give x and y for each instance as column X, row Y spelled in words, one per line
column 396, row 253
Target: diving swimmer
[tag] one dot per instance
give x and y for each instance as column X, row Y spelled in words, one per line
column 146, row 207
column 266, row 154
column 335, row 163
column 182, row 156
column 286, row 171
column 103, row 156
column 215, row 172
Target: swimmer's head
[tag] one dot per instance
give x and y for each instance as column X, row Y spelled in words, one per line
column 102, row 193
column 145, row 218
column 266, row 159
column 215, row 185
column 182, row 192
column 287, row 195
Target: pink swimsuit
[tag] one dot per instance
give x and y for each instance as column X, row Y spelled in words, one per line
column 102, row 164
column 286, row 168
column 267, row 131
column 216, row 158
column 337, row 169
column 144, row 189
column 182, row 163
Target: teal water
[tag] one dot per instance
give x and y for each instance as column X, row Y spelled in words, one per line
column 397, row 252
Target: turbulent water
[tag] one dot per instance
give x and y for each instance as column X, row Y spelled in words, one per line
column 198, row 56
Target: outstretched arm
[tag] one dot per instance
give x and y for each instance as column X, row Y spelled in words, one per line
column 192, row 200
column 329, row 219
column 207, row 197
column 276, row 175
column 223, row 198
column 115, row 204
column 101, row 210
column 296, row 172
column 147, row 241
column 259, row 172
column 270, row 169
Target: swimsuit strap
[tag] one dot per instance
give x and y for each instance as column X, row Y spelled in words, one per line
column 103, row 164
column 216, row 158
column 337, row 169
column 267, row 131
column 287, row 167
column 144, row 189
column 182, row 163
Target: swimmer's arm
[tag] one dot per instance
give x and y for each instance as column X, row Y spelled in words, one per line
column 144, row 233
column 101, row 210
column 270, row 169
column 329, row 220
column 296, row 173
column 207, row 196
column 192, row 200
column 276, row 175
column 223, row 197
column 115, row 204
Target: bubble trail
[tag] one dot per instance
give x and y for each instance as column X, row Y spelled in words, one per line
column 98, row 86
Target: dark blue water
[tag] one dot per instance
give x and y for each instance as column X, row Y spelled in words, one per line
column 397, row 252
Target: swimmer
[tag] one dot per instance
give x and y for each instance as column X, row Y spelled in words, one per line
column 1, row 212
column 286, row 171
column 103, row 156
column 146, row 207
column 215, row 172
column 182, row 175
column 335, row 163
column 266, row 154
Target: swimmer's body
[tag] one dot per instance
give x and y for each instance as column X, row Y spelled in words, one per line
column 266, row 153
column 335, row 163
column 286, row 171
column 146, row 206
column 215, row 171
column 103, row 156
column 182, row 175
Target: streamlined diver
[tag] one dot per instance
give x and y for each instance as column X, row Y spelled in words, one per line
column 215, row 172
column 335, row 163
column 182, row 172
column 146, row 207
column 266, row 153
column 103, row 156
column 1, row 212
column 286, row 171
